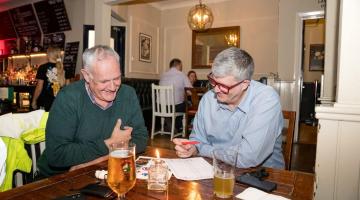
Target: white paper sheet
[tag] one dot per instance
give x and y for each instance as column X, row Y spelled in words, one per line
column 255, row 194
column 190, row 168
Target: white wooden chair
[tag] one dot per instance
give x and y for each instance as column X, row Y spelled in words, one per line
column 163, row 105
column 34, row 157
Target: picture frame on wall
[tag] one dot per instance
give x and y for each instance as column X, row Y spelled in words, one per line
column 145, row 44
column 317, row 56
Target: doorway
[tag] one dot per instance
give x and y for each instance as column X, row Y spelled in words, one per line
column 311, row 67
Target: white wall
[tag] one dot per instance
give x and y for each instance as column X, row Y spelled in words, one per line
column 289, row 11
column 258, row 21
column 142, row 19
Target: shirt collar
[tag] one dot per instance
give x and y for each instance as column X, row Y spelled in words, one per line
column 92, row 98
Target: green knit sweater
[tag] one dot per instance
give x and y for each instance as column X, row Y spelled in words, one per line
column 76, row 128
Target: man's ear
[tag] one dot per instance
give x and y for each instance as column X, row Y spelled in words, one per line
column 85, row 75
column 246, row 84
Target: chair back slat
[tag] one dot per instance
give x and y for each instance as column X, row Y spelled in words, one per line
column 163, row 105
column 289, row 137
column 163, row 99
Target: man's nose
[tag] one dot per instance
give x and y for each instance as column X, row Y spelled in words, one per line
column 112, row 85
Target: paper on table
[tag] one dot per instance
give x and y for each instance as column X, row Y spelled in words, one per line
column 255, row 194
column 191, row 168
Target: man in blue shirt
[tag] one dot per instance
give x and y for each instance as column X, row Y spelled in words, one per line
column 238, row 113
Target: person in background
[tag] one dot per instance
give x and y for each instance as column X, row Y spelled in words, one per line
column 239, row 114
column 90, row 115
column 50, row 77
column 175, row 77
column 192, row 77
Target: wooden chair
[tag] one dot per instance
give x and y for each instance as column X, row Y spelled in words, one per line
column 163, row 105
column 288, row 133
column 192, row 107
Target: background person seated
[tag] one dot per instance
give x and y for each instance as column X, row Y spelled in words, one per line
column 175, row 77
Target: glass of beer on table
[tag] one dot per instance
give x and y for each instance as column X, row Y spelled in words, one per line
column 121, row 175
column 224, row 163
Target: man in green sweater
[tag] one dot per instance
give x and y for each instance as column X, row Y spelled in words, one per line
column 86, row 116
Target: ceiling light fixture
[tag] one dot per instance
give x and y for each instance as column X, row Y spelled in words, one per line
column 200, row 17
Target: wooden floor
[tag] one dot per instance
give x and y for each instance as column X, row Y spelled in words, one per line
column 303, row 155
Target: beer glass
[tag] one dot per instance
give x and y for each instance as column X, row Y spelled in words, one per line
column 224, row 163
column 121, row 168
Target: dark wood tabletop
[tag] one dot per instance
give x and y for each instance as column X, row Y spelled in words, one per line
column 290, row 184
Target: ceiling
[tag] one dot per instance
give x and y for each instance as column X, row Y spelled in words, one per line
column 163, row 4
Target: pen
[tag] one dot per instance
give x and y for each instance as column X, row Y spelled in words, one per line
column 190, row 142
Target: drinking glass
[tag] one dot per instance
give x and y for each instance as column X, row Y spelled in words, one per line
column 224, row 163
column 121, row 168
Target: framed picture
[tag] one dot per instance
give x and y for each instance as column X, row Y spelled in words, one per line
column 145, row 47
column 317, row 55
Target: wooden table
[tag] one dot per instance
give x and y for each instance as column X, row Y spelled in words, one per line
column 293, row 185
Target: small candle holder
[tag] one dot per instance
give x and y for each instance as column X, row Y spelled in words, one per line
column 158, row 175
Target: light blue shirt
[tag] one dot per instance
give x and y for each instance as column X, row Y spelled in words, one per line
column 253, row 129
column 179, row 80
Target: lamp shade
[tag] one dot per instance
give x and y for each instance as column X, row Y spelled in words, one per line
column 200, row 17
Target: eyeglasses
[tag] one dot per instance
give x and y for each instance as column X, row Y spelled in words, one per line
column 223, row 88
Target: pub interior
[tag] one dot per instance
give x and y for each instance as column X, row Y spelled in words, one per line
column 305, row 49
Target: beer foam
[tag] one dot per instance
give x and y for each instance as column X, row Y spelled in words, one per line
column 120, row 153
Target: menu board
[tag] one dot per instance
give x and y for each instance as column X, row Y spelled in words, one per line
column 7, row 29
column 52, row 16
column 24, row 21
column 70, row 58
column 54, row 40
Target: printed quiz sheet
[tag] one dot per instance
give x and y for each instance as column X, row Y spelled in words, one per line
column 191, row 168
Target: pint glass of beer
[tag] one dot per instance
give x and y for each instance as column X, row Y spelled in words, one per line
column 224, row 163
column 121, row 168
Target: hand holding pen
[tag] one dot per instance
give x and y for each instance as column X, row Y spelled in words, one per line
column 185, row 148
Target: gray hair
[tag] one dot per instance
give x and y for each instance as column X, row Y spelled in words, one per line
column 98, row 53
column 233, row 62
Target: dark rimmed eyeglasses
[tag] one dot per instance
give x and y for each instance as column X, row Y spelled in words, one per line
column 223, row 88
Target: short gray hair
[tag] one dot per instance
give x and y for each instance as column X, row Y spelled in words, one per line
column 233, row 62
column 98, row 53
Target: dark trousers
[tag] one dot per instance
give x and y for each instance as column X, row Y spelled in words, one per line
column 178, row 121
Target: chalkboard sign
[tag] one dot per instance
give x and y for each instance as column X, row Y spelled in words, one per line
column 54, row 40
column 24, row 21
column 70, row 58
column 7, row 29
column 52, row 16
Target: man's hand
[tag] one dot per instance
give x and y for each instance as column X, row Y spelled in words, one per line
column 93, row 162
column 119, row 135
column 184, row 151
column 34, row 105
